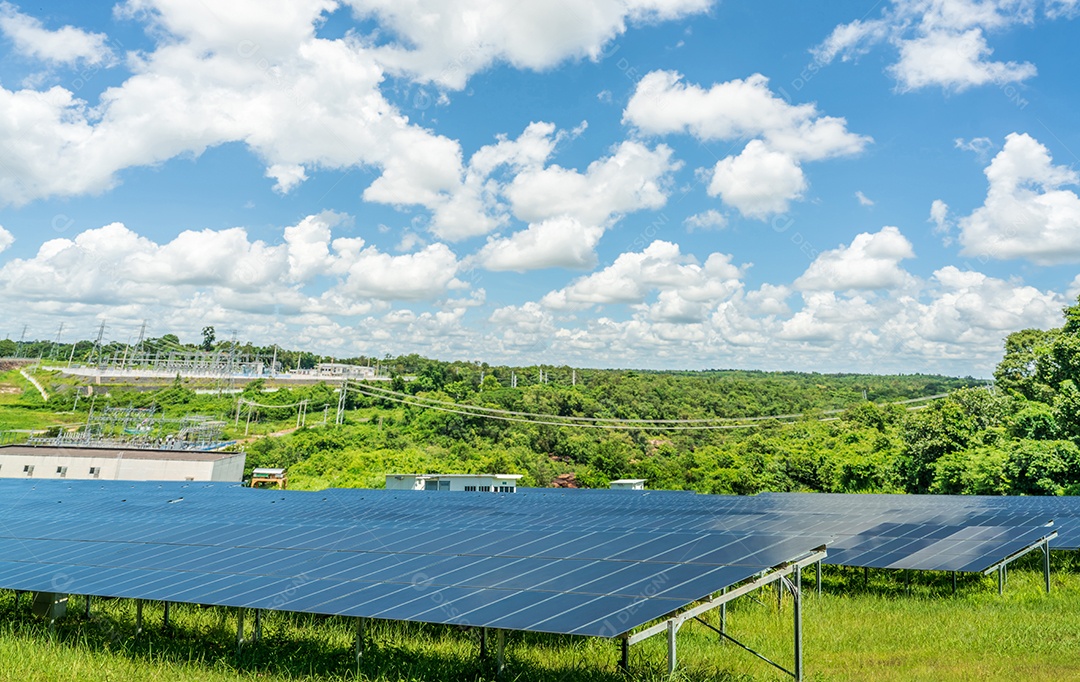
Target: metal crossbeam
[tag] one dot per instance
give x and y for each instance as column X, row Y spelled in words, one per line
column 1002, row 566
column 779, row 573
column 775, row 574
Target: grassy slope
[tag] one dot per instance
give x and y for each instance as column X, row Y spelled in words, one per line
column 880, row 634
column 18, row 403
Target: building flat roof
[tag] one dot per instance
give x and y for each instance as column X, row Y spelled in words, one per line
column 513, row 476
column 115, row 453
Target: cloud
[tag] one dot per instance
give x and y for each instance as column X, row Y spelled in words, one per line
column 863, row 199
column 871, row 261
column 939, row 215
column 1027, row 213
column 67, row 45
column 662, row 105
column 632, row 178
column 568, row 211
column 447, row 41
column 942, row 43
column 6, row 239
column 973, row 308
column 250, row 72
column 767, row 175
column 425, row 274
column 686, row 290
column 562, row 242
column 758, row 182
column 225, row 269
column 980, row 146
column 706, row 220
column 953, row 61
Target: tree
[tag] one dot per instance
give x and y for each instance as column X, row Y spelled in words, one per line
column 944, row 427
column 208, row 337
column 1041, row 467
column 1023, row 368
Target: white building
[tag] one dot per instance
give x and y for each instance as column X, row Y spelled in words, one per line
column 336, row 370
column 475, row 483
column 628, row 484
column 25, row 461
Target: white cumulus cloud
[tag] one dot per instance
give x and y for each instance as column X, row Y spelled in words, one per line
column 66, row 45
column 943, row 43
column 767, row 175
column 758, row 182
column 871, row 261
column 1027, row 213
column 446, row 41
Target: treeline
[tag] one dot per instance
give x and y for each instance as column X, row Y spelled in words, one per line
column 1019, row 436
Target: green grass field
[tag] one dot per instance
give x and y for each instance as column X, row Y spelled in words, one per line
column 885, row 631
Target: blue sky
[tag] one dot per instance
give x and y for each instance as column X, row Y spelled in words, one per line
column 848, row 186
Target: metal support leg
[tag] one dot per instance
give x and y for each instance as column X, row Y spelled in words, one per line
column 671, row 654
column 779, row 594
column 1046, row 564
column 818, row 583
column 258, row 626
column 165, row 619
column 1001, row 579
column 624, row 656
column 723, row 622
column 483, row 642
column 358, row 649
column 239, row 626
column 500, row 662
column 954, row 582
column 86, row 607
column 797, row 596
column 138, row 616
column 865, row 576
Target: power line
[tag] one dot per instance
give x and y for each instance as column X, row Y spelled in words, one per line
column 539, row 422
column 613, row 420
column 582, row 422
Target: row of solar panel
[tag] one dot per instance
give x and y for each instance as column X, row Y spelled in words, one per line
column 629, row 555
column 363, row 554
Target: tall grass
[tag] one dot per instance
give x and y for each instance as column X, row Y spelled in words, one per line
column 884, row 630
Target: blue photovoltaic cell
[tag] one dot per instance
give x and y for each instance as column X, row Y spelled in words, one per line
column 589, row 564
column 576, row 562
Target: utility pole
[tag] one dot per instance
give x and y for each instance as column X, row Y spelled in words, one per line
column 138, row 345
column 52, row 353
column 341, row 404
column 96, row 351
column 18, row 346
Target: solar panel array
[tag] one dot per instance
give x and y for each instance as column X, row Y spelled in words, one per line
column 983, row 510
column 584, row 564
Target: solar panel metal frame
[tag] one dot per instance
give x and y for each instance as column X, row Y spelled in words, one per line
column 381, row 554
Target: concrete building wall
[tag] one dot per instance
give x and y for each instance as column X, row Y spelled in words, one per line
column 453, row 482
column 230, row 468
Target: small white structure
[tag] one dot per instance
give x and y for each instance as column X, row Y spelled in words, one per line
column 628, row 484
column 27, row 461
column 472, row 483
column 336, row 370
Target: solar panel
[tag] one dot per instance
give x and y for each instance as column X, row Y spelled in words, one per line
column 979, row 510
column 591, row 564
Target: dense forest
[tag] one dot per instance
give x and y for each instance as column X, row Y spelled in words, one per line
column 836, row 433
